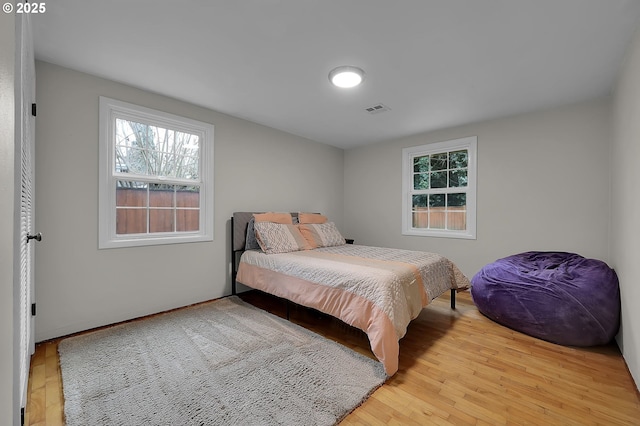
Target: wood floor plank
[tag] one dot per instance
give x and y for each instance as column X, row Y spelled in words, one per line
column 456, row 368
column 36, row 406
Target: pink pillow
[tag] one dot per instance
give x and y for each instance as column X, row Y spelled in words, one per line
column 284, row 218
column 311, row 218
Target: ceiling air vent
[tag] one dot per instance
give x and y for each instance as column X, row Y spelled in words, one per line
column 375, row 109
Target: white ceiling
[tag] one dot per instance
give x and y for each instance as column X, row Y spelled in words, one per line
column 434, row 63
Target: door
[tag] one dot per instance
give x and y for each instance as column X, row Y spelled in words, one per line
column 25, row 132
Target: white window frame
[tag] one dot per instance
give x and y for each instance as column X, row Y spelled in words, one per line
column 110, row 109
column 471, row 145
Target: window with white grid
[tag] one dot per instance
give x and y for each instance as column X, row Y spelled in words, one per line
column 156, row 177
column 439, row 189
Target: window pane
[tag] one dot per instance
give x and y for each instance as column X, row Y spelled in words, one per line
column 421, row 181
column 188, row 196
column 167, row 163
column 437, row 218
column 131, row 221
column 457, row 200
column 121, row 160
column 458, row 159
column 419, row 201
column 420, row 219
column 186, row 167
column 438, row 179
column 436, row 200
column 439, row 161
column 457, row 211
column 457, row 220
column 156, row 151
column 161, row 195
column 131, row 207
column 458, row 178
column 187, row 220
column 421, row 164
column 420, row 215
column 131, row 160
column 160, row 220
column 131, row 194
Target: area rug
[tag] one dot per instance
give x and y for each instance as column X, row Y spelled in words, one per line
column 220, row 363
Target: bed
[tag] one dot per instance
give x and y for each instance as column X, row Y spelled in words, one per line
column 377, row 290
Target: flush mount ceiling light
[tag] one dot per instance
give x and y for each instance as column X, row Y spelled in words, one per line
column 346, row 76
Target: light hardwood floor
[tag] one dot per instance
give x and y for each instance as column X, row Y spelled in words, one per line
column 456, row 368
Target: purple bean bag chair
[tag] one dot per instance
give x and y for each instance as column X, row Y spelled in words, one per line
column 560, row 297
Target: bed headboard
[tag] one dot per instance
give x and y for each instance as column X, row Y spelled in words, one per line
column 239, row 223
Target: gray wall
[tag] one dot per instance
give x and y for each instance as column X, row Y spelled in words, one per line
column 543, row 184
column 80, row 287
column 9, row 401
column 625, row 227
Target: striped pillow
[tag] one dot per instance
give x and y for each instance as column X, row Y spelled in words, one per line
column 279, row 238
column 322, row 234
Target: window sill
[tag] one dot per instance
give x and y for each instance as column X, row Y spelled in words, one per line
column 155, row 241
column 439, row 234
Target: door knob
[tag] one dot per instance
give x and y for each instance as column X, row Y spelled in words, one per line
column 37, row 237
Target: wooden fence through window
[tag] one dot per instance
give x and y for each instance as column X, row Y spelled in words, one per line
column 455, row 218
column 133, row 210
